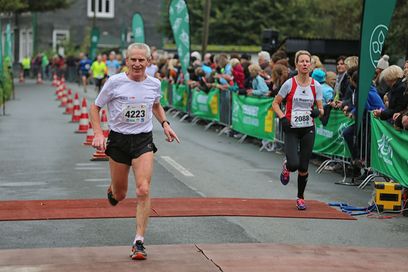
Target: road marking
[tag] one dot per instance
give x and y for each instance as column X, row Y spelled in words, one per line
column 177, row 166
column 19, row 184
column 87, row 164
column 259, row 170
column 103, row 185
column 97, row 179
column 89, row 168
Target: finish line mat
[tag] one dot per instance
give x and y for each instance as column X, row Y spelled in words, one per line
column 164, row 207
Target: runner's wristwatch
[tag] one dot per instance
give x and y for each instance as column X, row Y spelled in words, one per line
column 165, row 121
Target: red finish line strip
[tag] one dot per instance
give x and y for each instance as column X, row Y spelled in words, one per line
column 164, row 207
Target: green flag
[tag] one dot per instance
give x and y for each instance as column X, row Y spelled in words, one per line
column 389, row 153
column 1, row 51
column 376, row 18
column 123, row 38
column 7, row 45
column 179, row 21
column 138, row 28
column 94, row 42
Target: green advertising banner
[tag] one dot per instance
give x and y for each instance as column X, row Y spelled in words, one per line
column 138, row 28
column 8, row 51
column 94, row 43
column 329, row 139
column 123, row 34
column 164, row 87
column 389, row 151
column 253, row 116
column 376, row 18
column 180, row 97
column 1, row 52
column 179, row 21
column 206, row 106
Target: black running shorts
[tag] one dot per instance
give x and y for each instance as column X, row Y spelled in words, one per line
column 124, row 148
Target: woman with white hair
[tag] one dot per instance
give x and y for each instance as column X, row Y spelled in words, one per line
column 397, row 96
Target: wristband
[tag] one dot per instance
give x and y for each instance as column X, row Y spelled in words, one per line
column 165, row 121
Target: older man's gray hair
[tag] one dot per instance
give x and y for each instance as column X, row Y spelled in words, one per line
column 139, row 46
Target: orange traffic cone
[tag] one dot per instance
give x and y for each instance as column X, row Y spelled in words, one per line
column 104, row 124
column 83, row 121
column 55, row 80
column 99, row 155
column 60, row 92
column 69, row 109
column 89, row 135
column 64, row 98
column 76, row 114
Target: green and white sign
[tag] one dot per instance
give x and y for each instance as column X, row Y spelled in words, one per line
column 180, row 97
column 376, row 18
column 164, row 87
column 389, row 152
column 179, row 21
column 138, row 28
column 206, row 105
column 253, row 116
column 94, row 43
column 329, row 139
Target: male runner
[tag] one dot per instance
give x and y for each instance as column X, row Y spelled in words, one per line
column 132, row 99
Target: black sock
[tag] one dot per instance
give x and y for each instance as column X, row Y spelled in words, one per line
column 302, row 180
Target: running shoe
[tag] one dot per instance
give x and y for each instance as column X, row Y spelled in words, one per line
column 285, row 175
column 138, row 251
column 300, row 204
column 111, row 200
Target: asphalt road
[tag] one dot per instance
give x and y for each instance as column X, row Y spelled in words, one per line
column 42, row 158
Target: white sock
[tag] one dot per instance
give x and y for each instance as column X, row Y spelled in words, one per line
column 138, row 238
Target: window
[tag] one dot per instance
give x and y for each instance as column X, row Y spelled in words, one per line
column 26, row 43
column 103, row 8
column 59, row 37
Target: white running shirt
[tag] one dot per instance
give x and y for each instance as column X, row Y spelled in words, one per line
column 129, row 103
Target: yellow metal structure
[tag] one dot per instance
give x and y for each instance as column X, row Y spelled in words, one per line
column 388, row 196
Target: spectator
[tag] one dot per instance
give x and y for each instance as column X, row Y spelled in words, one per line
column 331, row 79
column 397, row 96
column 238, row 73
column 381, row 65
column 45, row 67
column 71, row 68
column 206, row 65
column 342, row 81
column 406, row 70
column 373, row 102
column 316, row 63
column 245, row 62
column 259, row 87
column 264, row 58
column 401, row 120
column 280, row 74
column 59, row 64
column 328, row 93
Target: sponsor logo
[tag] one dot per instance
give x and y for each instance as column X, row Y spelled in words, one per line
column 385, row 150
column 376, row 43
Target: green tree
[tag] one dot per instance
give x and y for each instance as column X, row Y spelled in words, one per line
column 32, row 5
